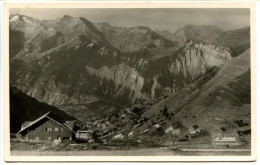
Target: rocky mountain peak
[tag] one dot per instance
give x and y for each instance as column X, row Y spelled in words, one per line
column 67, row 17
column 67, row 20
column 102, row 25
column 22, row 18
column 28, row 26
column 143, row 28
column 90, row 25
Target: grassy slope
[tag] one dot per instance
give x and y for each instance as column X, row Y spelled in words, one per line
column 238, row 40
column 223, row 99
column 99, row 108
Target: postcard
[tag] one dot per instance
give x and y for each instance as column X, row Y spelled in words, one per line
column 129, row 82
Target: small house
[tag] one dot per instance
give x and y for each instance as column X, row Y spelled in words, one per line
column 48, row 128
column 84, row 135
column 194, row 129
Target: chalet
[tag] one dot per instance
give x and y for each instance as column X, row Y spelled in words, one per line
column 48, row 127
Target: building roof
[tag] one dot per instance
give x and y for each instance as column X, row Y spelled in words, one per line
column 84, row 131
column 70, row 123
column 50, row 116
column 25, row 124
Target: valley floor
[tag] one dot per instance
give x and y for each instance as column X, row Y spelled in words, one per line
column 131, row 152
column 94, row 149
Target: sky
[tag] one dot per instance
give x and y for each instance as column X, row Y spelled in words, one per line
column 156, row 18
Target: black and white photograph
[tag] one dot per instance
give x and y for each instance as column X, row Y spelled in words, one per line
column 119, row 81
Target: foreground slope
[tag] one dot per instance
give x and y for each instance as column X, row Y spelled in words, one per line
column 25, row 108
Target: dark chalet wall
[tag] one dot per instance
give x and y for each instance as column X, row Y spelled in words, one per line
column 39, row 131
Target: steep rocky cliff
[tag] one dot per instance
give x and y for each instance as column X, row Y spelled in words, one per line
column 194, row 59
column 90, row 71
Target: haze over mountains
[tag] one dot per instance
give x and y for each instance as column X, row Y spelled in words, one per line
column 96, row 69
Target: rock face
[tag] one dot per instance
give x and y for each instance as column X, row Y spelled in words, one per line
column 70, row 61
column 134, row 38
column 194, row 59
column 84, row 73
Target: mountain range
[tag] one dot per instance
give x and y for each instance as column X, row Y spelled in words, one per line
column 200, row 73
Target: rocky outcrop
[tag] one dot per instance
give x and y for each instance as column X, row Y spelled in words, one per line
column 194, row 59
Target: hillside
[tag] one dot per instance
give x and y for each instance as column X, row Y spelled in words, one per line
column 74, row 77
column 25, row 108
column 238, row 40
column 198, row 33
column 130, row 39
column 217, row 102
column 166, row 34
